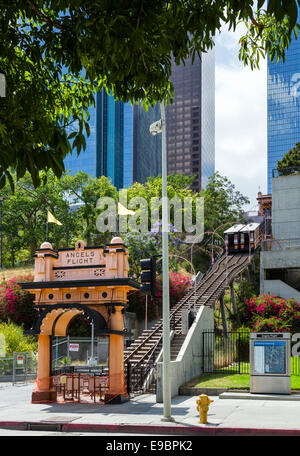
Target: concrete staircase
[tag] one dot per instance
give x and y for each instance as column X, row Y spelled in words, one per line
column 175, row 347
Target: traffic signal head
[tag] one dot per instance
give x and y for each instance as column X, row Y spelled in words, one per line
column 148, row 276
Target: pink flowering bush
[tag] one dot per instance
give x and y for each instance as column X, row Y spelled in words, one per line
column 271, row 313
column 16, row 305
column 179, row 284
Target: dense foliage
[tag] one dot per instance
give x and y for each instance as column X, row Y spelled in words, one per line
column 179, row 284
column 56, row 54
column 146, row 245
column 73, row 201
column 271, row 313
column 15, row 340
column 290, row 162
column 16, row 305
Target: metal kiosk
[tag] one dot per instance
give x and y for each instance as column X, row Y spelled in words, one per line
column 270, row 363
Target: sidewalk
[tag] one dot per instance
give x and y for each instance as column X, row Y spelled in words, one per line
column 230, row 416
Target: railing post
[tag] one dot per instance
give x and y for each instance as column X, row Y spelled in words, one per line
column 203, row 352
column 128, row 377
column 239, row 352
column 224, row 323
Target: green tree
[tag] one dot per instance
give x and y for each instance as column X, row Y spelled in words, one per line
column 178, row 186
column 25, row 215
column 57, row 54
column 84, row 191
column 290, row 162
column 223, row 206
column 222, row 202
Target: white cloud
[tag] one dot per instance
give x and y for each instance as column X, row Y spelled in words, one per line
column 241, row 118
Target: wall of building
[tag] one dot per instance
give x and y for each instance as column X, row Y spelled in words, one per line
column 146, row 147
column 207, row 116
column 286, row 207
column 280, row 263
column 190, row 120
column 279, row 288
column 189, row 362
column 283, row 106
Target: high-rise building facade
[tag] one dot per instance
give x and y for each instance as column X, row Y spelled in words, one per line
column 87, row 160
column 146, row 147
column 190, row 120
column 110, row 138
column 120, row 145
column 283, row 106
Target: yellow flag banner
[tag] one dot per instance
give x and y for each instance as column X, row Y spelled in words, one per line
column 52, row 219
column 122, row 210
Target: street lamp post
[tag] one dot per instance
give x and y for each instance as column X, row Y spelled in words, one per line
column 155, row 128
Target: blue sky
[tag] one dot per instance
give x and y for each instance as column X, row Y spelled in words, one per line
column 241, row 118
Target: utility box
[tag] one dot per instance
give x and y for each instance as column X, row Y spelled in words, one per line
column 270, row 370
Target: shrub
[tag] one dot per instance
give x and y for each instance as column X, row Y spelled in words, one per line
column 17, row 305
column 179, row 284
column 271, row 313
column 15, row 340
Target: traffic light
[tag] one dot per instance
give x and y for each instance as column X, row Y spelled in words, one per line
column 148, row 276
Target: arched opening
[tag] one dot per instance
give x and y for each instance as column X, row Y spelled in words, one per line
column 80, row 350
column 79, row 338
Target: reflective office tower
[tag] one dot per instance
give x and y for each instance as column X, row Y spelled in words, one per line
column 120, row 145
column 142, row 151
column 110, row 137
column 86, row 161
column 283, row 106
column 191, row 120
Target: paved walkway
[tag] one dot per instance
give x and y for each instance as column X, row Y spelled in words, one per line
column 230, row 416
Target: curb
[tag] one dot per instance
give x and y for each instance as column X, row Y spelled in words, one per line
column 201, row 430
column 212, row 391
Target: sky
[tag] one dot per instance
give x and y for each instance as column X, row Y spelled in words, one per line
column 241, row 118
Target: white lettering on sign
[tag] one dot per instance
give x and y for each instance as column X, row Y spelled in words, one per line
column 74, row 347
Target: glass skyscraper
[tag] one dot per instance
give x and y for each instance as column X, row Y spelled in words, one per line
column 120, row 145
column 283, row 106
column 110, row 134
column 191, row 120
column 86, row 161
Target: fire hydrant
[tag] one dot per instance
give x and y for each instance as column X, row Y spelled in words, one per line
column 203, row 404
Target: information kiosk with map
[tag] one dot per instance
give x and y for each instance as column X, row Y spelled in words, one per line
column 270, row 363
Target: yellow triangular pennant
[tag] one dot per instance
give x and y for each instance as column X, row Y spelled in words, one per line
column 52, row 219
column 124, row 211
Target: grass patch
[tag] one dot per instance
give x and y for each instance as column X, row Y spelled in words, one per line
column 233, row 381
column 10, row 273
column 229, row 381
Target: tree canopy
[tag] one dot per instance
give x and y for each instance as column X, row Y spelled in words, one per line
column 56, row 54
column 290, row 162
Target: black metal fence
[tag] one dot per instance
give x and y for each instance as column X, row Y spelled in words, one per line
column 138, row 377
column 225, row 352
column 229, row 353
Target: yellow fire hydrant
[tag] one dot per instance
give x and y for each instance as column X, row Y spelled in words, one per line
column 203, row 404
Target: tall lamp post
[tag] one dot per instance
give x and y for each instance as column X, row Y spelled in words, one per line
column 155, row 128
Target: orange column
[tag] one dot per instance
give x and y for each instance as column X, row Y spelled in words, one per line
column 116, row 353
column 43, row 377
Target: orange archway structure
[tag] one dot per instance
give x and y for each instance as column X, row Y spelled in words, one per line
column 70, row 282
